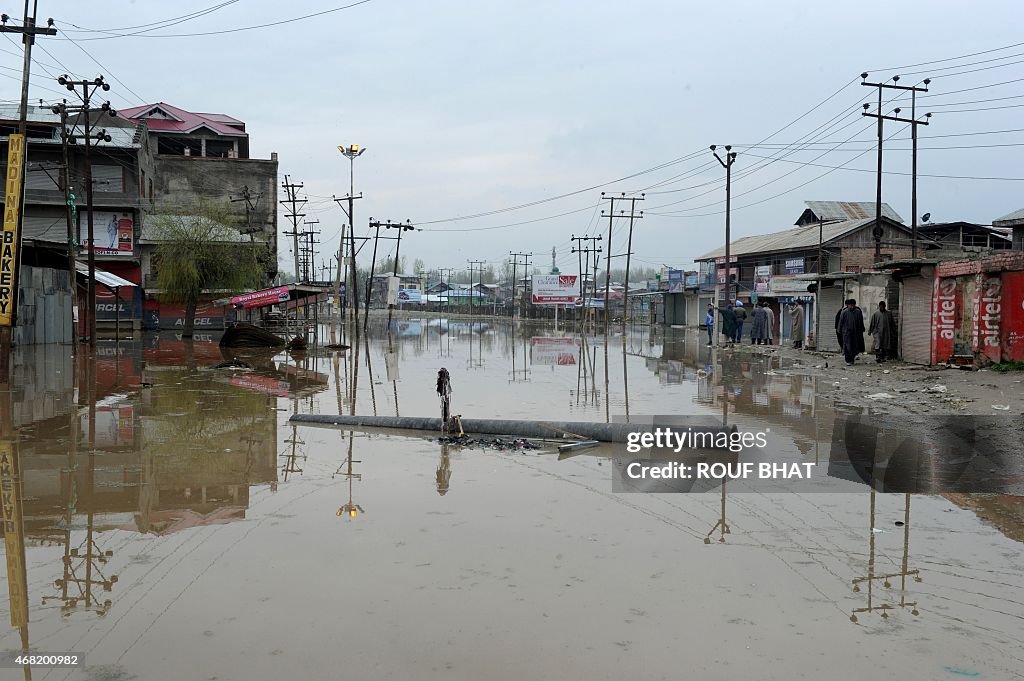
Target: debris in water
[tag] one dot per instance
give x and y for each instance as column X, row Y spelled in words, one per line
column 880, row 396
column 503, row 445
column 1001, row 407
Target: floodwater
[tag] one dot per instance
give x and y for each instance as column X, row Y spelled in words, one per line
column 177, row 526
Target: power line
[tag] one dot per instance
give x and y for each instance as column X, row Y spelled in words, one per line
column 893, row 172
column 170, row 22
column 145, row 34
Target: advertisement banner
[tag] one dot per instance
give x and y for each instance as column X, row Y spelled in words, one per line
column 734, row 272
column 675, row 281
column 555, row 289
column 113, row 233
column 9, row 240
column 988, row 304
column 1013, row 316
column 787, row 285
column 692, row 280
column 270, row 296
column 762, row 283
column 794, row 266
column 945, row 304
column 410, row 295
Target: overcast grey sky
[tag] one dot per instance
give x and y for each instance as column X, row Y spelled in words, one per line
column 467, row 107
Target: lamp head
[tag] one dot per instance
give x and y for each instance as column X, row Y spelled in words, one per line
column 864, row 76
column 713, row 147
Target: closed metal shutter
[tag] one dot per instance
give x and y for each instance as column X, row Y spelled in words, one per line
column 830, row 300
column 40, row 179
column 54, row 229
column 916, row 321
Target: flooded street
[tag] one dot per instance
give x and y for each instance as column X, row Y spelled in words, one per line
column 178, row 526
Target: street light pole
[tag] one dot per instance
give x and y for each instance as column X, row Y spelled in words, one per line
column 351, row 152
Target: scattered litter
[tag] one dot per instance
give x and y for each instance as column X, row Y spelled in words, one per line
column 879, row 396
column 899, row 523
column 886, row 371
column 837, row 384
column 959, row 671
column 937, row 389
column 868, row 374
column 517, row 444
column 878, row 531
column 1001, row 407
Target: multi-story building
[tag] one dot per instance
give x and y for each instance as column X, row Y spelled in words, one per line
column 200, row 158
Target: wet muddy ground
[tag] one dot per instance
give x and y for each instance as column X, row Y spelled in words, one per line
column 245, row 547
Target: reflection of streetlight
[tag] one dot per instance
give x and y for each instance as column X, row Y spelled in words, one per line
column 350, row 509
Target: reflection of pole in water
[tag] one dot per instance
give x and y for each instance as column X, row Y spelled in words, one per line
column 607, row 403
column 350, row 509
column 444, row 471
column 369, row 371
column 291, row 458
column 721, row 525
column 871, row 577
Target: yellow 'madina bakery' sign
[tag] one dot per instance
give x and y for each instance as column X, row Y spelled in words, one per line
column 9, row 240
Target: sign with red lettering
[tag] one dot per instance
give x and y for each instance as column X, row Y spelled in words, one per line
column 988, row 309
column 270, row 296
column 945, row 299
column 1013, row 316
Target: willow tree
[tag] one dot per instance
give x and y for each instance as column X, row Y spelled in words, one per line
column 204, row 251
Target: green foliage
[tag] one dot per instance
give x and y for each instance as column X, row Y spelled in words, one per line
column 1006, row 367
column 205, row 251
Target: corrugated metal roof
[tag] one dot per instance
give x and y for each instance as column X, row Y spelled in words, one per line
column 122, row 135
column 850, row 210
column 180, row 120
column 1010, row 220
column 795, row 238
column 105, row 278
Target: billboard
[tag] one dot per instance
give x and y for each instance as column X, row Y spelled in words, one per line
column 675, row 281
column 410, row 295
column 113, row 233
column 555, row 289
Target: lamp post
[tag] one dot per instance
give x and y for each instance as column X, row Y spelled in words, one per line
column 350, row 152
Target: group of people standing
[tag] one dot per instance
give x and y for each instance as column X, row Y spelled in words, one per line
column 762, row 323
column 849, row 327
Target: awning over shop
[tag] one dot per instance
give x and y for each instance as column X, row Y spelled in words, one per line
column 111, row 281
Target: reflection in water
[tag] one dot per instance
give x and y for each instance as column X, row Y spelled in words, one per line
column 155, row 452
column 886, row 577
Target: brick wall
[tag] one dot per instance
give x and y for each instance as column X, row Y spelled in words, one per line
column 864, row 257
column 1011, row 260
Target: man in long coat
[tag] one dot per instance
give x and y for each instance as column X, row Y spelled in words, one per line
column 770, row 335
column 883, row 328
column 796, row 313
column 728, row 323
column 851, row 331
column 759, row 327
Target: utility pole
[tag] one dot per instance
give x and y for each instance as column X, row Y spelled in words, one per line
column 441, row 271
column 251, row 202
column 608, row 258
column 308, row 249
column 473, row 265
column 89, row 88
column 629, row 252
column 730, row 157
column 878, row 231
column 70, row 212
column 16, row 163
column 584, row 265
column 406, row 226
column 294, row 204
column 515, row 263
